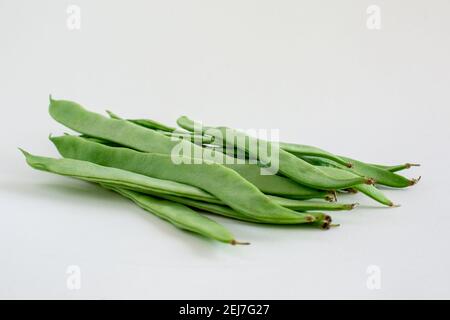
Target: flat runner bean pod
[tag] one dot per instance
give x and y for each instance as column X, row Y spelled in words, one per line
column 300, row 205
column 381, row 176
column 156, row 187
column 227, row 185
column 297, row 149
column 194, row 138
column 368, row 190
column 305, row 150
column 268, row 184
column 289, row 165
column 230, row 213
column 151, row 124
column 121, row 178
column 396, row 168
column 178, row 215
column 139, row 138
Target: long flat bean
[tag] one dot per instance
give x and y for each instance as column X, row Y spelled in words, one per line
column 368, row 190
column 381, row 176
column 96, row 173
column 179, row 215
column 305, row 150
column 229, row 212
column 296, row 149
column 224, row 183
column 151, row 124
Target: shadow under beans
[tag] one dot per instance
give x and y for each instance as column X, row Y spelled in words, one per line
column 51, row 189
column 84, row 191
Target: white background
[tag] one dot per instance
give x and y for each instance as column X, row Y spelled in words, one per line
column 309, row 68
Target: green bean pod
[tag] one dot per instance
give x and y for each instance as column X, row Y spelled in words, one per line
column 179, row 215
column 381, row 176
column 301, row 150
column 139, row 138
column 224, row 183
column 194, row 138
column 268, row 184
column 368, row 190
column 300, row 205
column 278, row 185
column 322, row 220
column 289, row 165
column 124, row 179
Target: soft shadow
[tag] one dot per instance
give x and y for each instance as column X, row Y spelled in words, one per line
column 84, row 190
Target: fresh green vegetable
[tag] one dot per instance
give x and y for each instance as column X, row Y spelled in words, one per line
column 224, row 183
column 179, row 215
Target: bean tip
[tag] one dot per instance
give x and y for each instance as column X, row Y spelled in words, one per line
column 23, row 151
column 370, row 181
column 414, row 181
column 409, row 165
column 349, row 165
column 235, row 242
column 394, row 205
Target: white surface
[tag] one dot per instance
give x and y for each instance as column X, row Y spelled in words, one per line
column 310, row 68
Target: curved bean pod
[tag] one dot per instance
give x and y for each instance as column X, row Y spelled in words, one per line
column 289, row 165
column 301, row 150
column 381, row 176
column 278, row 185
column 396, row 168
column 179, row 215
column 156, row 187
column 139, row 138
column 222, row 182
column 268, row 184
column 296, row 149
column 194, row 138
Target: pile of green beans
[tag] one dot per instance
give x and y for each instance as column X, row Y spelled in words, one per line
column 134, row 158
